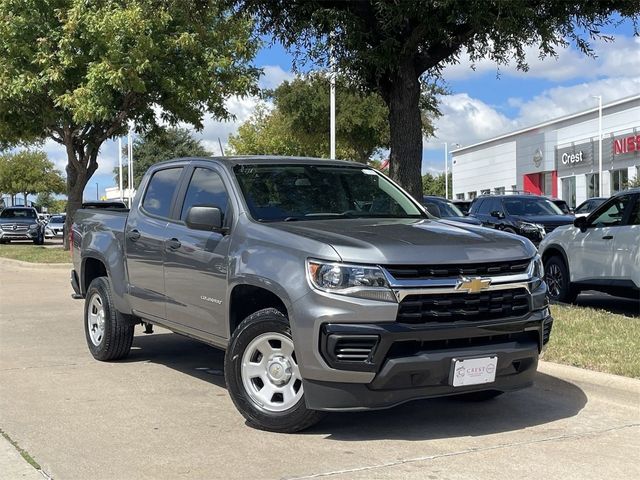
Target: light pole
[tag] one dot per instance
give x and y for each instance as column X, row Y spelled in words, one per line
column 332, row 102
column 599, row 97
column 97, row 194
column 120, row 167
column 130, row 163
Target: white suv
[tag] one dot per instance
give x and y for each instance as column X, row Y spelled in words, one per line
column 598, row 252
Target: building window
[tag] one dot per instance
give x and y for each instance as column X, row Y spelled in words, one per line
column 619, row 180
column 593, row 185
column 499, row 190
column 459, row 196
column 472, row 195
column 569, row 191
column 486, row 191
column 547, row 183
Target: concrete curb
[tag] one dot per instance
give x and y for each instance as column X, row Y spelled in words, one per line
column 591, row 377
column 9, row 262
column 14, row 466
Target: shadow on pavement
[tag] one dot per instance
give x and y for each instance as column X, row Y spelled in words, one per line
column 550, row 399
column 620, row 305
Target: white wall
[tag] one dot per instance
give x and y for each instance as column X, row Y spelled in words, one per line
column 487, row 168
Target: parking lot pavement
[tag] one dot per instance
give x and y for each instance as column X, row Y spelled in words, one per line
column 165, row 413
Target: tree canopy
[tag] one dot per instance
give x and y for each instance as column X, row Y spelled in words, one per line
column 298, row 123
column 159, row 145
column 28, row 172
column 396, row 48
column 79, row 72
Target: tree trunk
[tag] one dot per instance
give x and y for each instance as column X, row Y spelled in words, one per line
column 76, row 181
column 402, row 95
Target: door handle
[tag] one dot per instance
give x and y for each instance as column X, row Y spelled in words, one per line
column 607, row 237
column 133, row 235
column 173, row 243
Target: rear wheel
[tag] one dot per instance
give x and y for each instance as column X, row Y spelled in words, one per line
column 263, row 376
column 556, row 275
column 109, row 335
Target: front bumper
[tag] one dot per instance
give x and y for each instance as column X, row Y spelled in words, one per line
column 414, row 361
column 24, row 235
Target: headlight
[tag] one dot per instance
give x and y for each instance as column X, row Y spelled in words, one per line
column 531, row 227
column 352, row 280
column 537, row 272
column 33, row 227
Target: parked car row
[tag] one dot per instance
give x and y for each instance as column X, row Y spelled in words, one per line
column 597, row 249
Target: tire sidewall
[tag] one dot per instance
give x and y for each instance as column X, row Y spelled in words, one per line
column 565, row 294
column 101, row 287
column 264, row 321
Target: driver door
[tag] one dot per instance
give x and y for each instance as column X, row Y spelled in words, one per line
column 591, row 252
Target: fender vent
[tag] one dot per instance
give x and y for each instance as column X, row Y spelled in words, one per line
column 355, row 349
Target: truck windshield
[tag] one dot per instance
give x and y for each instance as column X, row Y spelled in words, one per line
column 307, row 192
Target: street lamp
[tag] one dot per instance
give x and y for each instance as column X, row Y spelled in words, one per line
column 599, row 97
column 97, row 194
column 332, row 101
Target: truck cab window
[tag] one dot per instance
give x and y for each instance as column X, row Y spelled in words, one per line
column 205, row 188
column 159, row 195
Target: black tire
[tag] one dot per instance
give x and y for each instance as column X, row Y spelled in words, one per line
column 481, row 396
column 296, row 418
column 117, row 337
column 39, row 240
column 556, row 275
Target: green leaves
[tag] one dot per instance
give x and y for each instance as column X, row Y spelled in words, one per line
column 29, row 172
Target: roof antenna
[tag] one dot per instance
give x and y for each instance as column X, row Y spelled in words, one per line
column 220, row 143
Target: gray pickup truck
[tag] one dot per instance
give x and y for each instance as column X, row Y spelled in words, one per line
column 328, row 286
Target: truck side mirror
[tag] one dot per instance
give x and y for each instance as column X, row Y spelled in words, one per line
column 581, row 223
column 203, row 217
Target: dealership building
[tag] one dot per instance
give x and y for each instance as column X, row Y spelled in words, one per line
column 558, row 158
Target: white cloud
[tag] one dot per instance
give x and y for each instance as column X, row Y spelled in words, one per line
column 618, row 58
column 467, row 120
column 274, row 76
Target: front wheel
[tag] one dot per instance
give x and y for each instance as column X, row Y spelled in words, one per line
column 263, row 377
column 556, row 276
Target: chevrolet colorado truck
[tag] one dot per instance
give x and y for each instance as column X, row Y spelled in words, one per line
column 329, row 287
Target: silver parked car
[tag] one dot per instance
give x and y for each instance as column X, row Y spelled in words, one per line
column 55, row 227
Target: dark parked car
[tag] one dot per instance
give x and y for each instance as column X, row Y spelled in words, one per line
column 562, row 205
column 588, row 206
column 21, row 223
column 463, row 205
column 528, row 215
column 445, row 209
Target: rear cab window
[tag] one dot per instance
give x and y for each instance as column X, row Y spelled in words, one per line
column 158, row 198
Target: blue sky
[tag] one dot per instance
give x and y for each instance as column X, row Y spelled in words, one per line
column 479, row 106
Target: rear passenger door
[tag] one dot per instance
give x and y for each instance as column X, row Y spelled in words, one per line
column 626, row 246
column 144, row 242
column 196, row 261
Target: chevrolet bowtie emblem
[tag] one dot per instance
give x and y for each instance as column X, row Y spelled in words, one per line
column 472, row 285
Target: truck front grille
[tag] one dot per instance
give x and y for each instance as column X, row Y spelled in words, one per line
column 452, row 307
column 418, row 272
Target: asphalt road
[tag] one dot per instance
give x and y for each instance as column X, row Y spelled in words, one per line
column 165, row 413
column 623, row 306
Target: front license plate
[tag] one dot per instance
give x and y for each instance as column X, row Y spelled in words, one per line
column 473, row 371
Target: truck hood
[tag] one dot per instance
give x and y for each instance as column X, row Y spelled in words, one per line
column 18, row 221
column 411, row 241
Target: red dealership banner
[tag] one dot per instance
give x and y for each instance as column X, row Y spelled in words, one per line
column 626, row 145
